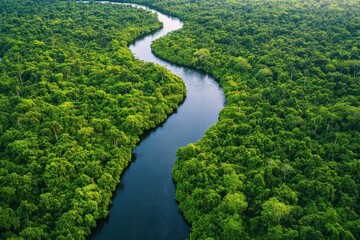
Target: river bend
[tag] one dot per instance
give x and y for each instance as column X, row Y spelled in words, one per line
column 144, row 206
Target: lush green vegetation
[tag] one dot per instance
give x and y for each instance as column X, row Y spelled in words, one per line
column 73, row 101
column 283, row 162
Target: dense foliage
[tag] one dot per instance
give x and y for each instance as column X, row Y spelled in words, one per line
column 283, row 161
column 73, row 101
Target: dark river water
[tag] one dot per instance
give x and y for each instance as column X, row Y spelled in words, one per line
column 144, row 206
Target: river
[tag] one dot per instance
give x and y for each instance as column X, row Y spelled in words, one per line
column 144, row 206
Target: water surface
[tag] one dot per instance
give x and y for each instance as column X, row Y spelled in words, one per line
column 144, row 206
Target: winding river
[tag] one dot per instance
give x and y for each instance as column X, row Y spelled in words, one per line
column 144, row 205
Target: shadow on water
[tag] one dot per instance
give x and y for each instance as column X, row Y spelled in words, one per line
column 119, row 187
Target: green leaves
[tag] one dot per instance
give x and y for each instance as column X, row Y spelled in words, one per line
column 73, row 102
column 264, row 73
column 287, row 138
column 202, row 55
column 274, row 211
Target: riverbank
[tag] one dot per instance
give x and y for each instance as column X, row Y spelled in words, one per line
column 144, row 205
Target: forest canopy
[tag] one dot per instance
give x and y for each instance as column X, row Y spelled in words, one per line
column 283, row 161
column 73, row 102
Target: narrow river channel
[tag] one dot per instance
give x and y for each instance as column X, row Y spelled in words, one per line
column 144, row 206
